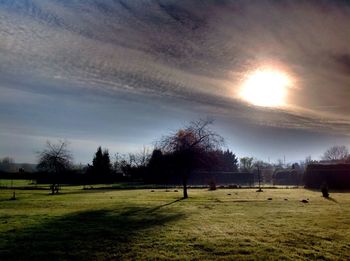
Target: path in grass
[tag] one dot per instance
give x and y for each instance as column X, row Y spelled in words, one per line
column 129, row 224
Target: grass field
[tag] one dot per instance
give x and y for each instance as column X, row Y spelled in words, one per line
column 140, row 224
column 16, row 183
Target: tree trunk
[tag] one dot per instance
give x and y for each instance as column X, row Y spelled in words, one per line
column 184, row 182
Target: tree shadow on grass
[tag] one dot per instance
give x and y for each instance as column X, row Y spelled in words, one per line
column 90, row 235
column 332, row 199
column 164, row 205
column 346, row 191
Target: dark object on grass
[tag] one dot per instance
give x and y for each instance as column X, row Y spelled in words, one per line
column 304, row 201
column 259, row 190
column 212, row 185
column 229, row 194
column 176, row 190
column 152, row 190
column 269, row 199
column 285, row 199
column 54, row 188
column 13, row 196
column 324, row 190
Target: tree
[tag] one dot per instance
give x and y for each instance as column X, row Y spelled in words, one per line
column 227, row 161
column 246, row 164
column 191, row 148
column 117, row 163
column 101, row 163
column 279, row 164
column 336, row 153
column 308, row 160
column 304, row 163
column 264, row 171
column 156, row 166
column 231, row 160
column 55, row 159
column 141, row 159
column 7, row 165
column 258, row 166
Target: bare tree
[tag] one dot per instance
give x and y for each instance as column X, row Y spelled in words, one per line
column 336, row 153
column 258, row 165
column 7, row 164
column 246, row 164
column 190, row 147
column 141, row 158
column 55, row 159
column 308, row 160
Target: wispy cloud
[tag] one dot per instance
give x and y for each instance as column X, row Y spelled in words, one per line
column 183, row 54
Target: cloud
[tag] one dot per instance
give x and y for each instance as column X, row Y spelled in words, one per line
column 196, row 54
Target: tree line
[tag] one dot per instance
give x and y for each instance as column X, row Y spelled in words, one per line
column 175, row 157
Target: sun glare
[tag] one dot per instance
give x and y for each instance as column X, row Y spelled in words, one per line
column 266, row 88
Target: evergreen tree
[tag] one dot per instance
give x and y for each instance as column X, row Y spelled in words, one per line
column 106, row 162
column 101, row 164
column 231, row 161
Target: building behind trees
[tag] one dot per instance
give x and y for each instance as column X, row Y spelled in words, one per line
column 335, row 175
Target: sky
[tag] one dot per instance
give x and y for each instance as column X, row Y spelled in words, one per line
column 121, row 74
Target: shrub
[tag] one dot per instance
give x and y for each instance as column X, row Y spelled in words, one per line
column 324, row 190
column 212, row 185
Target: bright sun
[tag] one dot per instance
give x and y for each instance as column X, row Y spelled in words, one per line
column 266, row 88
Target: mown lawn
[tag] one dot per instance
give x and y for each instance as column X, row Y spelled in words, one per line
column 141, row 224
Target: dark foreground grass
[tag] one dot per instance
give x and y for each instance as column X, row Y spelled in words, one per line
column 140, row 224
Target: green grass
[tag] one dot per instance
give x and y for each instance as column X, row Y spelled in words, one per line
column 15, row 183
column 140, row 224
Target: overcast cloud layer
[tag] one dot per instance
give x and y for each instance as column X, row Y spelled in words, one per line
column 122, row 73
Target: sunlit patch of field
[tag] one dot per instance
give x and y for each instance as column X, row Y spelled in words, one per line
column 141, row 224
